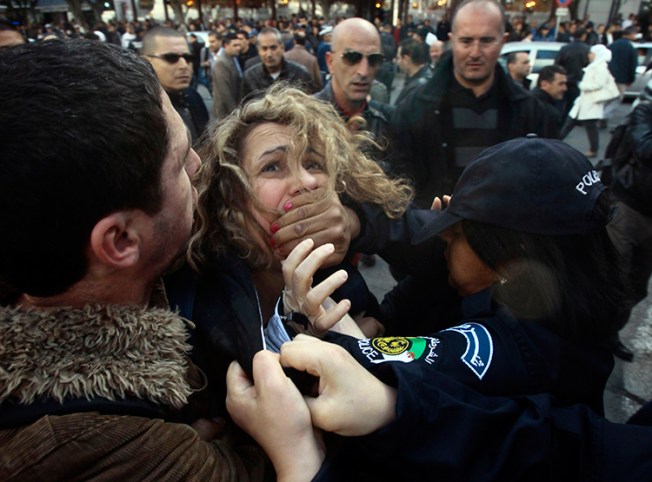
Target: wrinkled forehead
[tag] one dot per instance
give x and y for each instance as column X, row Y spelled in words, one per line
column 171, row 44
column 268, row 40
column 362, row 40
column 486, row 14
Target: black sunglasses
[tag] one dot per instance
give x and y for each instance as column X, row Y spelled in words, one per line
column 353, row 57
column 172, row 58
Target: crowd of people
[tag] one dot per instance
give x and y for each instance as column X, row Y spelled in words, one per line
column 196, row 311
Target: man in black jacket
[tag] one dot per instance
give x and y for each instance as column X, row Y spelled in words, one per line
column 573, row 56
column 273, row 67
column 468, row 105
column 413, row 61
column 353, row 62
column 550, row 90
column 168, row 52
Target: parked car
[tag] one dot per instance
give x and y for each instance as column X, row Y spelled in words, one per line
column 541, row 54
column 643, row 71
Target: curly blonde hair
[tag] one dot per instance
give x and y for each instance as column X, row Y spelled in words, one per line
column 225, row 218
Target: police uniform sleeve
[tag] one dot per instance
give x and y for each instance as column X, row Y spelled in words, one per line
column 391, row 239
column 447, row 431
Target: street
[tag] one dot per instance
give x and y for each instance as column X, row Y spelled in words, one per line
column 631, row 383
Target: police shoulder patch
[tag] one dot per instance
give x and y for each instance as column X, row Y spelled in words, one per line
column 479, row 347
column 399, row 349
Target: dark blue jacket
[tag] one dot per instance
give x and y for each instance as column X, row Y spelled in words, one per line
column 490, row 350
column 192, row 109
column 624, row 61
column 446, row 431
column 420, row 125
column 222, row 302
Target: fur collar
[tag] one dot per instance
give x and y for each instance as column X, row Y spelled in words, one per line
column 97, row 351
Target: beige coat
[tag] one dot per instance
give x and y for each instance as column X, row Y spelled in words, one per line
column 227, row 86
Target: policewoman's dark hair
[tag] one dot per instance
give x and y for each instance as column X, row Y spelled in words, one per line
column 573, row 284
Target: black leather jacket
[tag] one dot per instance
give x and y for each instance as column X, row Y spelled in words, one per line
column 377, row 124
column 419, row 128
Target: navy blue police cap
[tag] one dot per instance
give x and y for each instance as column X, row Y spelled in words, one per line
column 528, row 184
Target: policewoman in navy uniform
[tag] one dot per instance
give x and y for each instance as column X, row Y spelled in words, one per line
column 535, row 283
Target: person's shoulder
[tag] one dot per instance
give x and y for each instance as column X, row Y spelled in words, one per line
column 222, row 59
column 292, row 65
column 192, row 94
column 297, row 69
column 254, row 70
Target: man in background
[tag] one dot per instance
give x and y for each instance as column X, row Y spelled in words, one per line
column 518, row 66
column 273, row 67
column 300, row 55
column 550, row 90
column 167, row 50
column 469, row 104
column 624, row 60
column 324, row 45
column 247, row 50
column 208, row 57
column 227, row 77
column 412, row 61
column 573, row 57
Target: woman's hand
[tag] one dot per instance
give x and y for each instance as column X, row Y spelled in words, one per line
column 274, row 413
column 350, row 401
column 300, row 296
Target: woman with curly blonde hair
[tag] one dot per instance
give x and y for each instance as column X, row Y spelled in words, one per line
column 228, row 202
column 255, row 162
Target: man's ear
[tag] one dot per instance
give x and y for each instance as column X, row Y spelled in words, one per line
column 329, row 61
column 116, row 239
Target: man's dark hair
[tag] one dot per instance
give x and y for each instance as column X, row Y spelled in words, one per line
column 149, row 39
column 548, row 73
column 414, row 50
column 579, row 33
column 632, row 29
column 229, row 37
column 299, row 38
column 84, row 135
column 511, row 57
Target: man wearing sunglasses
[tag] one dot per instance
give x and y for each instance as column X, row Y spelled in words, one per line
column 353, row 62
column 469, row 104
column 168, row 52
